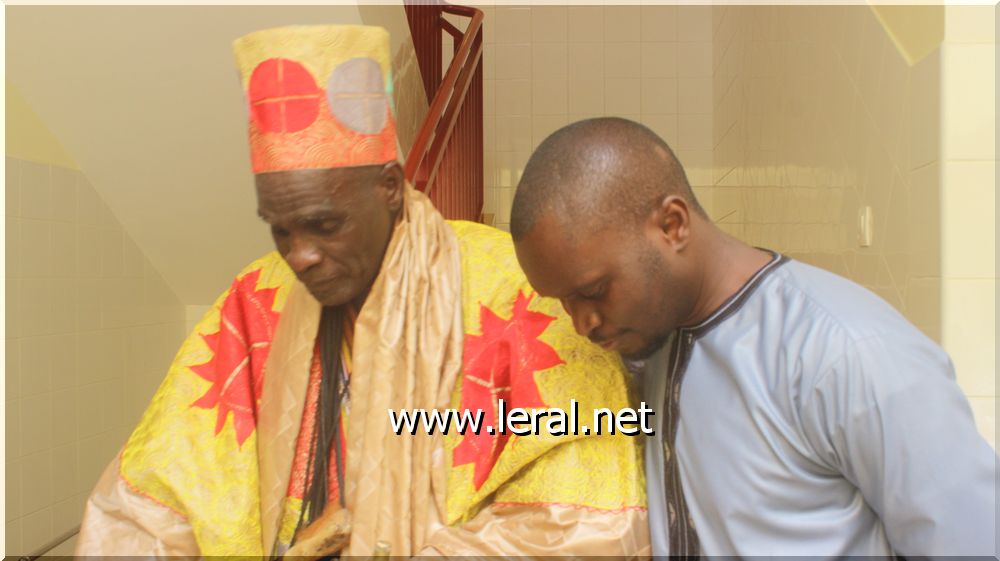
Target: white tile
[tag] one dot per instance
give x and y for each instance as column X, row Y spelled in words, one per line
column 12, row 187
column 658, row 23
column 659, row 60
column 659, row 96
column 64, row 242
column 968, row 220
column 112, row 248
column 36, row 191
column 586, row 61
column 694, row 132
column 36, row 481
column 548, row 97
column 549, row 24
column 513, row 97
column 621, row 96
column 513, row 25
column 698, row 166
column 36, row 529
column 694, row 95
column 12, row 493
column 88, row 251
column 12, row 368
column 665, row 126
column 36, row 248
column 90, row 413
column 88, row 203
column 586, row 24
column 65, row 410
column 12, row 417
column 132, row 258
column 513, row 133
column 586, row 97
column 36, row 365
column 969, row 332
column 622, row 60
column 969, row 24
column 694, row 23
column 66, row 515
column 12, row 245
column 36, row 423
column 694, row 59
column 621, row 23
column 13, row 545
column 64, row 206
column 968, row 114
column 513, row 61
column 548, row 60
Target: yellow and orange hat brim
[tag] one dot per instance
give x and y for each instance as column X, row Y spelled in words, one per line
column 318, row 96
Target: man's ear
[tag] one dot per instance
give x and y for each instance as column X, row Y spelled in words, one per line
column 673, row 221
column 391, row 179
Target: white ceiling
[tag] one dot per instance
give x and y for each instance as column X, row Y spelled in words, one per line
column 146, row 99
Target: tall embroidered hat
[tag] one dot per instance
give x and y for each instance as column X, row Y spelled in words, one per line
column 318, row 96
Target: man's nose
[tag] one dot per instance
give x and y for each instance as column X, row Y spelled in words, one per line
column 302, row 254
column 584, row 315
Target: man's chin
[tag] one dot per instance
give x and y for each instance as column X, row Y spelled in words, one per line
column 645, row 351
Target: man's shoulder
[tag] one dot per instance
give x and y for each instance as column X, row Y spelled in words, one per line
column 820, row 296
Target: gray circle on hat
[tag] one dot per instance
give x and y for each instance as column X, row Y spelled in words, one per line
column 356, row 94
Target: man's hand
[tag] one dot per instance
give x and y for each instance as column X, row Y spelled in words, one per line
column 325, row 536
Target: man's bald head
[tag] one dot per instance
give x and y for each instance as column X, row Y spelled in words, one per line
column 595, row 172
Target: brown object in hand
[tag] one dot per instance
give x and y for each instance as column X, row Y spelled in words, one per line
column 325, row 536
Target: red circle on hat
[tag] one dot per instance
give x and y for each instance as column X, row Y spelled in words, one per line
column 283, row 96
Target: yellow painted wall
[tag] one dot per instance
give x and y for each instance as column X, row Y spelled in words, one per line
column 27, row 136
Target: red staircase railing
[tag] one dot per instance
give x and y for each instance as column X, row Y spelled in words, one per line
column 446, row 161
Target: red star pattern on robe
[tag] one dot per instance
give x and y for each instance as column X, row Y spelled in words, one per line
column 239, row 350
column 501, row 364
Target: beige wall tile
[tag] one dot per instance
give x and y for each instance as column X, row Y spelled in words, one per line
column 694, row 95
column 970, row 24
column 549, row 97
column 659, row 59
column 969, row 330
column 586, row 23
column 970, row 112
column 513, row 61
column 658, row 23
column 621, row 23
column 12, row 493
column 549, row 24
column 969, row 220
column 585, row 97
column 659, row 96
column 36, row 529
column 622, row 60
column 513, row 97
column 694, row 59
column 548, row 61
column 513, row 25
column 12, row 183
column 36, row 248
column 586, row 61
column 694, row 23
column 665, row 126
column 36, row 191
column 12, row 538
column 621, row 96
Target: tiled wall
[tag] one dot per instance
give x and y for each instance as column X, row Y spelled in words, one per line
column 548, row 66
column 91, row 328
column 817, row 115
column 968, row 204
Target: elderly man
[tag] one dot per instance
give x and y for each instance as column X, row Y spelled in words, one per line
column 272, row 428
column 812, row 419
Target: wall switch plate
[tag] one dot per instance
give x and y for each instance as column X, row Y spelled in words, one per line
column 865, row 226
